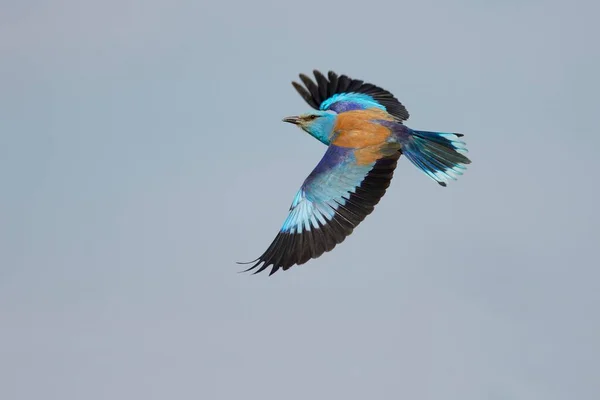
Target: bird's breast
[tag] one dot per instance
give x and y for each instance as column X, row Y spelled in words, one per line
column 359, row 128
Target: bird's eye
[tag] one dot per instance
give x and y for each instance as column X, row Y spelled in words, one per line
column 311, row 117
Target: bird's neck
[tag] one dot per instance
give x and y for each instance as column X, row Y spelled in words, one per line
column 322, row 137
column 322, row 129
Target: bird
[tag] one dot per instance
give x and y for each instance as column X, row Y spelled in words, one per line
column 363, row 127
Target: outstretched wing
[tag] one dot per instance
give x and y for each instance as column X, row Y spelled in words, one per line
column 339, row 193
column 341, row 93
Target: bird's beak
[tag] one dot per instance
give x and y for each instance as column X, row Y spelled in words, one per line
column 292, row 120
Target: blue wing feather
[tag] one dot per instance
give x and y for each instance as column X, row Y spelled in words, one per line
column 350, row 101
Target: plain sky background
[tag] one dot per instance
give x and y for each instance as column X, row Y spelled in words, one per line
column 142, row 153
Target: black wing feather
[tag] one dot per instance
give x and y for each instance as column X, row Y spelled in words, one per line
column 333, row 83
column 322, row 84
column 305, row 95
column 313, row 89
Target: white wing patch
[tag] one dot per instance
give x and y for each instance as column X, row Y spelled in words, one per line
column 305, row 215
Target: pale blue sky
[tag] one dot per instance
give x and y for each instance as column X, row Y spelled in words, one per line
column 142, row 153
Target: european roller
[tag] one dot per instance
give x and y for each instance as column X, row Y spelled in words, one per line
column 362, row 126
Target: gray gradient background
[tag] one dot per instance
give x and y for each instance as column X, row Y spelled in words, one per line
column 142, row 153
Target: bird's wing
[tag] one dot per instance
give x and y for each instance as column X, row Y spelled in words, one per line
column 339, row 193
column 341, row 93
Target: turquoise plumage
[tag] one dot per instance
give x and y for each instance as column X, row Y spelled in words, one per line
column 362, row 125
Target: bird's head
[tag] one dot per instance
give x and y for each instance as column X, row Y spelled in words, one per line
column 318, row 124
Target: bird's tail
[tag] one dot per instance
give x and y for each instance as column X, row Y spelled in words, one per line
column 437, row 154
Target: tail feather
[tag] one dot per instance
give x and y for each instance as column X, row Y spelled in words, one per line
column 437, row 154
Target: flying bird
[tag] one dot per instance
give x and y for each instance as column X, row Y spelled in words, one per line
column 363, row 127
